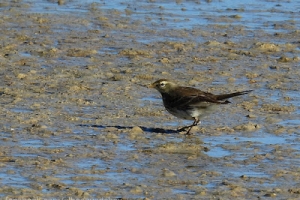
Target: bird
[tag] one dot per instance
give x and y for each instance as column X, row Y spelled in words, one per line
column 190, row 103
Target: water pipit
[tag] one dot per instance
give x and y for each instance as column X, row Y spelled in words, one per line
column 190, row 103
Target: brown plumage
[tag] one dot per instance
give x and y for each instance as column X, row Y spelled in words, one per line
column 190, row 103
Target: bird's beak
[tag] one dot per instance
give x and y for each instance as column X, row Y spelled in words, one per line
column 151, row 86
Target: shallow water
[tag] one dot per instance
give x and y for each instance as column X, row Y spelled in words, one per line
column 79, row 122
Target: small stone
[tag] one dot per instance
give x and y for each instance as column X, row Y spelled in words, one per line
column 164, row 60
column 251, row 116
column 272, row 194
column 284, row 59
column 136, row 129
column 247, row 127
column 231, row 79
column 111, row 129
column 21, row 76
column 111, row 136
column 236, row 16
column 61, row 2
column 168, row 173
column 136, row 190
column 244, row 176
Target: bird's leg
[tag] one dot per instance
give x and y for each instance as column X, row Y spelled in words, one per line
column 184, row 128
column 196, row 121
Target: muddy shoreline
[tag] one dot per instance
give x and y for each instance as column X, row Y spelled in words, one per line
column 79, row 122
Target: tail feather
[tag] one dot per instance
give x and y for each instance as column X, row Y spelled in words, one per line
column 227, row 96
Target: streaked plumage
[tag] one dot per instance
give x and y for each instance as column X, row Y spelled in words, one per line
column 190, row 103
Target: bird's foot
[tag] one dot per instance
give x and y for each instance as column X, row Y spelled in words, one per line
column 184, row 128
column 189, row 132
column 189, row 128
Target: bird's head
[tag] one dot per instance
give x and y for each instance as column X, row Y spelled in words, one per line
column 163, row 86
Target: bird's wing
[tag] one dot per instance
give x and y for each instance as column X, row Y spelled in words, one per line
column 192, row 96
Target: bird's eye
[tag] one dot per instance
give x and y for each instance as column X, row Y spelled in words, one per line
column 162, row 84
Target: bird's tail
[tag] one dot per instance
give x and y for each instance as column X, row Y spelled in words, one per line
column 227, row 96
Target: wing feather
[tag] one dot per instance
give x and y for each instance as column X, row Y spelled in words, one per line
column 187, row 96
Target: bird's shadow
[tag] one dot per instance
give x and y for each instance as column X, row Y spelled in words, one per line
column 145, row 129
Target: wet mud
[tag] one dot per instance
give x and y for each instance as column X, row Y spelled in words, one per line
column 78, row 121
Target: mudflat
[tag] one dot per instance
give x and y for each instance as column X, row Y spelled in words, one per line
column 78, row 121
